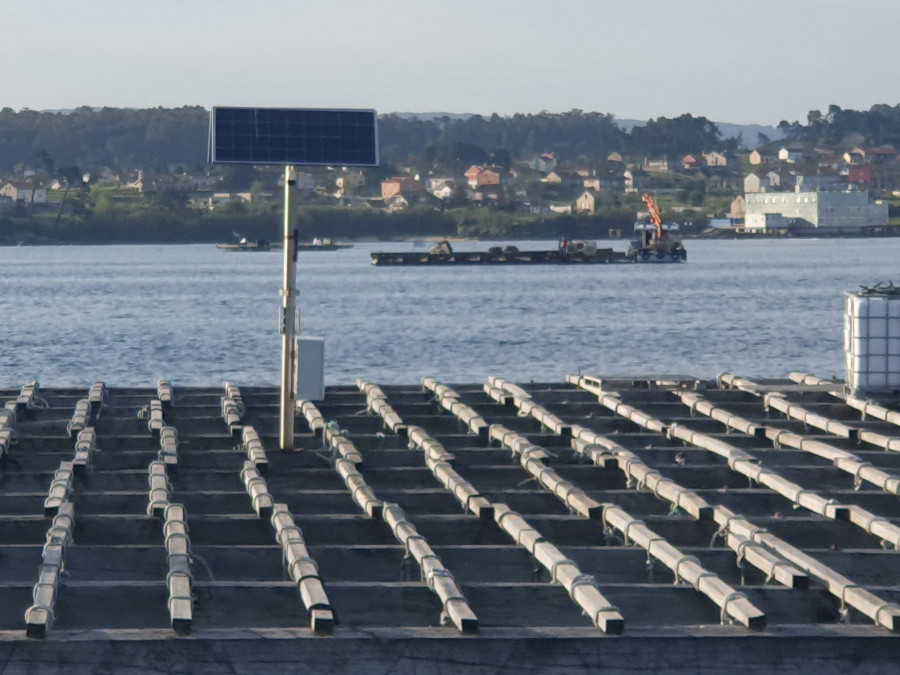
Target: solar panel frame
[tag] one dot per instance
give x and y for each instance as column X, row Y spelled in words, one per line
column 285, row 136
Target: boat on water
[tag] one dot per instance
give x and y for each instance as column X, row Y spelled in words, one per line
column 245, row 245
column 262, row 245
column 324, row 244
column 655, row 241
column 574, row 252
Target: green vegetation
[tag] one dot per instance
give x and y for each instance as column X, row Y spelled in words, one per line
column 163, row 140
column 101, row 216
column 880, row 125
column 117, row 139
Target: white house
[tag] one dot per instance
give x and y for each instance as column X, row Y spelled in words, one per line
column 586, row 202
column 445, row 191
column 790, row 155
column 24, row 191
column 757, row 158
column 753, row 183
column 715, row 159
column 349, row 182
column 764, row 222
column 738, row 208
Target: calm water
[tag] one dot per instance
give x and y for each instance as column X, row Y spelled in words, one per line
column 129, row 315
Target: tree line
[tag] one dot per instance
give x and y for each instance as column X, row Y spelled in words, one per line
column 164, row 139
column 106, row 222
column 837, row 128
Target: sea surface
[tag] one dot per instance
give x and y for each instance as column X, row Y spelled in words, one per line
column 129, row 315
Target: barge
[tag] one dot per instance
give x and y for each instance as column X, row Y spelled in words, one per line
column 653, row 241
column 577, row 252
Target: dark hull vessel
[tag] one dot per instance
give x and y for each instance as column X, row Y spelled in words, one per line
column 263, row 245
column 245, row 245
column 568, row 253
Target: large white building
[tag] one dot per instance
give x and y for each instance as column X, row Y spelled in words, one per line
column 847, row 210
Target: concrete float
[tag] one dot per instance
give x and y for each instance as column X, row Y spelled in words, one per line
column 521, row 454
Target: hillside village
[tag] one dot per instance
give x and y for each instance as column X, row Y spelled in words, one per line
column 769, row 189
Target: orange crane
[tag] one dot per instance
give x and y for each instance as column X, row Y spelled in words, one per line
column 655, row 216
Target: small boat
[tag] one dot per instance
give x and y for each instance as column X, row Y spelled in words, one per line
column 322, row 245
column 245, row 245
column 262, row 245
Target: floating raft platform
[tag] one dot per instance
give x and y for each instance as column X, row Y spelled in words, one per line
column 546, row 257
column 628, row 523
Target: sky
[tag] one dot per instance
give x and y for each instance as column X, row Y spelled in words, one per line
column 739, row 62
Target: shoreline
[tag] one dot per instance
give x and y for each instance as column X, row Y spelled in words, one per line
column 730, row 236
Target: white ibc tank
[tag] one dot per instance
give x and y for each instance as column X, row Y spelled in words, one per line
column 872, row 340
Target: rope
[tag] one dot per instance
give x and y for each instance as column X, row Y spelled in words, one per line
column 581, row 580
column 455, row 598
column 758, row 531
column 649, row 545
column 572, row 488
column 178, row 573
column 776, row 565
column 736, row 595
column 563, row 561
column 739, row 550
column 643, row 482
column 38, row 608
column 700, row 577
column 873, row 520
column 504, row 515
column 857, row 478
column 607, row 528
column 429, row 577
column 410, row 538
column 628, row 528
column 844, row 594
column 285, row 532
column 537, row 541
column 677, row 567
column 880, row 290
column 887, row 605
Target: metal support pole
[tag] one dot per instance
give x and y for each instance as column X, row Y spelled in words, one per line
column 288, row 314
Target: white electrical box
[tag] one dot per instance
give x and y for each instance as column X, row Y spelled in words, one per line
column 309, row 368
column 872, row 341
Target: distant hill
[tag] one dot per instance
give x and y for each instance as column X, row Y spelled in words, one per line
column 749, row 133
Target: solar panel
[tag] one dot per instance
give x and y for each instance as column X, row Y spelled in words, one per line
column 293, row 136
